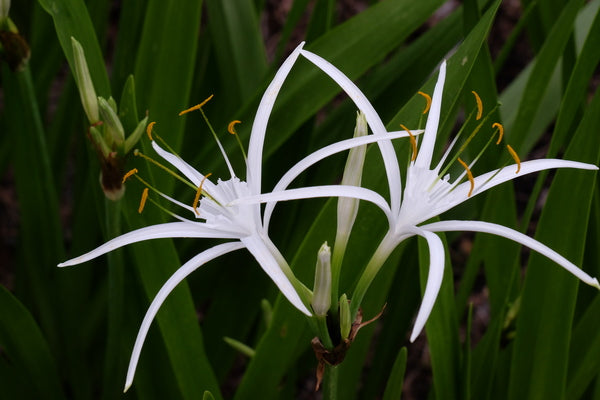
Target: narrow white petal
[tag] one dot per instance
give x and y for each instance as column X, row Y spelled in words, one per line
column 259, row 127
column 321, row 191
column 320, row 154
column 187, row 170
column 165, row 290
column 269, row 264
column 434, row 279
column 496, row 177
column 168, row 230
column 387, row 150
column 433, row 120
column 499, row 230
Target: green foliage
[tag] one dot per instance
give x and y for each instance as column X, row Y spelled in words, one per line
column 532, row 333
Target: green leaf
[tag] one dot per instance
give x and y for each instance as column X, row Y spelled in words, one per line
column 24, row 345
column 393, row 389
column 540, row 356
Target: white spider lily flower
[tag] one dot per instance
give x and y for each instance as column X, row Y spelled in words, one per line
column 221, row 214
column 427, row 194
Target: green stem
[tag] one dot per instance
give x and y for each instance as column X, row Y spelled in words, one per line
column 385, row 248
column 330, row 382
column 323, row 332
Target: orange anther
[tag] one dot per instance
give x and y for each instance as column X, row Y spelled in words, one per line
column 428, row 99
column 515, row 157
column 413, row 142
column 197, row 106
column 500, row 130
column 149, row 129
column 198, row 193
column 231, row 127
column 479, row 105
column 469, row 175
column 129, row 174
column 143, row 200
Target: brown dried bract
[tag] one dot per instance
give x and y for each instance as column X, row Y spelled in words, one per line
column 336, row 355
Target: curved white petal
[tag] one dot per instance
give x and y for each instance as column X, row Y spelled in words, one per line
column 496, row 177
column 269, row 264
column 165, row 290
column 321, row 191
column 259, row 126
column 167, row 230
column 433, row 120
column 320, row 154
column 499, row 230
column 434, row 279
column 387, row 150
column 187, row 170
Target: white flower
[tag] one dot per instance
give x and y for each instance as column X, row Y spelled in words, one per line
column 426, row 195
column 221, row 214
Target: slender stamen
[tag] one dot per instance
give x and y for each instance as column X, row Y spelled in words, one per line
column 138, row 153
column 515, row 157
column 128, row 175
column 413, row 142
column 149, row 129
column 469, row 175
column 428, row 99
column 217, row 140
column 143, row 200
column 198, row 193
column 500, row 130
column 197, row 106
column 479, row 105
column 231, row 129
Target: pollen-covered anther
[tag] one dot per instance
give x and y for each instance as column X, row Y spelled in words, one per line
column 198, row 194
column 231, row 127
column 479, row 105
column 129, row 174
column 469, row 176
column 428, row 99
column 143, row 200
column 149, row 129
column 515, row 157
column 500, row 131
column 413, row 142
column 197, row 106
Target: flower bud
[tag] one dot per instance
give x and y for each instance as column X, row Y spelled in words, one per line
column 135, row 136
column 348, row 207
column 345, row 323
column 112, row 123
column 4, row 7
column 84, row 83
column 322, row 291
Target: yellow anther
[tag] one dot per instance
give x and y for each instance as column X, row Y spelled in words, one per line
column 479, row 105
column 515, row 157
column 428, row 98
column 413, row 142
column 500, row 129
column 198, row 193
column 197, row 106
column 129, row 174
column 469, row 175
column 143, row 200
column 149, row 129
column 231, row 127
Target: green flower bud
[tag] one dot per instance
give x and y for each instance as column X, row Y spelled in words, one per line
column 135, row 136
column 348, row 207
column 113, row 127
column 4, row 7
column 87, row 93
column 345, row 323
column 322, row 291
